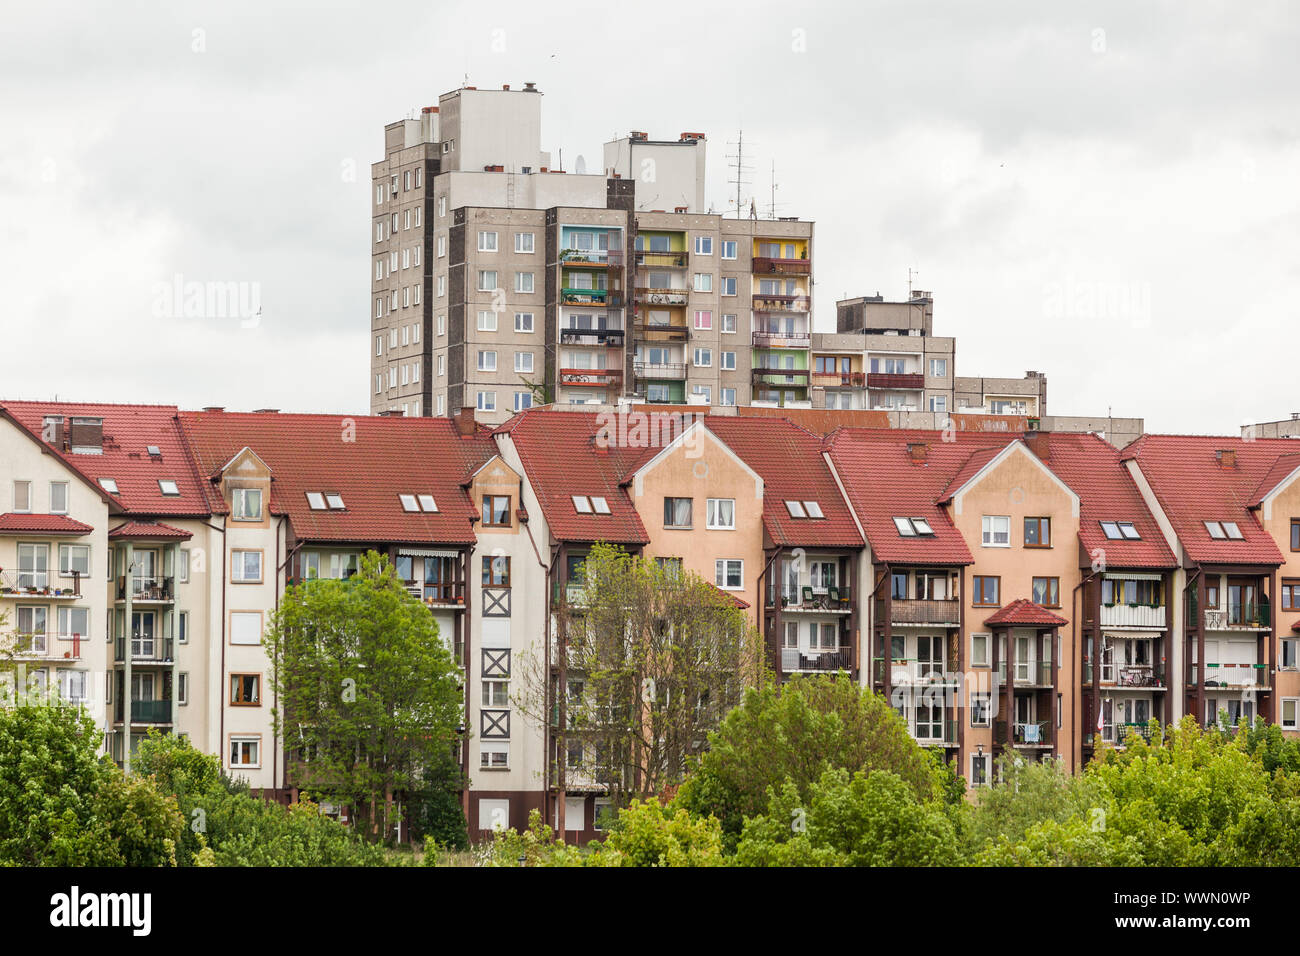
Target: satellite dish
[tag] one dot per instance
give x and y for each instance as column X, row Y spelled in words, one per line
column 580, row 166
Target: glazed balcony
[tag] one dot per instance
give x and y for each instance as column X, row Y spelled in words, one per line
column 839, row 379
column 600, row 377
column 781, row 340
column 606, row 297
column 147, row 712
column 782, row 267
column 895, row 380
column 787, row 377
column 761, row 302
column 672, row 371
column 610, row 338
column 662, row 260
column 646, row 295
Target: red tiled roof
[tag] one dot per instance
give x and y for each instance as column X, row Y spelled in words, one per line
column 43, row 524
column 148, row 531
column 1193, row 487
column 369, row 461
column 1281, row 470
column 730, row 596
column 883, row 483
column 1092, row 468
column 1024, row 612
column 128, row 432
column 560, row 458
column 789, row 460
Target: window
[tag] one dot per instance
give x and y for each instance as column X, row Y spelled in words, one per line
column 1038, row 532
column 183, row 627
column 334, row 501
column 1232, row 531
column 109, row 485
column 496, row 511
column 244, row 752
column 1291, row 713
column 72, row 686
column 677, row 512
column 1224, row 530
column 980, row 711
column 986, row 591
column 427, row 503
column 487, row 361
column 1212, row 595
column 74, row 622
column 728, row 248
column 33, row 565
column 247, row 504
column 315, row 501
column 996, row 531
column 728, row 361
column 704, row 282
column 913, row 527
column 487, row 401
column 728, row 286
column 703, row 320
column 979, row 769
column 728, row 396
column 74, row 559
column 728, row 322
column 246, row 567
column 1046, row 592
column 58, row 497
column 245, row 627
column 523, row 321
column 1290, row 594
column 729, row 574
column 1287, row 659
column 979, row 650
column 487, row 280
column 487, row 242
column 493, row 814
column 246, row 690
column 704, row 245
column 523, row 242
column 168, row 488
column 182, row 688
column 523, row 400
column 582, row 504
column 496, row 693
column 523, row 282
column 703, row 358
column 408, row 502
column 938, row 368
column 496, row 571
column 796, row 509
column 722, row 513
column 487, row 320
column 523, row 361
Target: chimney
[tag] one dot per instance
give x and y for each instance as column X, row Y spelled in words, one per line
column 464, row 420
column 1039, row 442
column 266, row 411
column 505, row 86
column 679, row 209
column 1227, row 457
column 391, row 413
column 530, row 87
column 918, row 450
column 86, row 433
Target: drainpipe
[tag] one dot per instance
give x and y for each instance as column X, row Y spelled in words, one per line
column 275, row 693
column 127, row 561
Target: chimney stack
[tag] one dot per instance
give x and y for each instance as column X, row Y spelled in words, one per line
column 1227, row 457
column 464, row 420
column 1040, row 443
column 918, row 451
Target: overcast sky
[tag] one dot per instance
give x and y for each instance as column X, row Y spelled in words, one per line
column 1107, row 193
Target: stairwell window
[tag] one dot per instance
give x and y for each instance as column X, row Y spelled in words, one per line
column 58, row 497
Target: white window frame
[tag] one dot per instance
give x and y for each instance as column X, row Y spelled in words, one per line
column 721, row 569
column 989, row 531
column 525, row 243
column 713, row 512
column 487, row 241
column 520, row 322
column 487, row 320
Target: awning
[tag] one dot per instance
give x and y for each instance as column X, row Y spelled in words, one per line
column 426, row 553
column 1133, row 576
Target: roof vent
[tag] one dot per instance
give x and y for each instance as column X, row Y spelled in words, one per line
column 266, row 411
column 214, row 408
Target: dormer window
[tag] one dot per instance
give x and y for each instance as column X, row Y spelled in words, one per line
column 168, row 488
column 246, row 504
column 315, row 501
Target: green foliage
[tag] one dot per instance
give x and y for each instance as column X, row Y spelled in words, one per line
column 535, row 846
column 649, row 834
column 368, row 692
column 869, row 819
column 62, row 805
column 796, row 733
column 437, row 816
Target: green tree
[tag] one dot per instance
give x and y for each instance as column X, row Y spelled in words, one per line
column 437, row 816
column 869, row 819
column 368, row 695
column 795, row 733
column 61, row 804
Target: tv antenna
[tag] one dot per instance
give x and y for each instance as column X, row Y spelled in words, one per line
column 773, row 208
column 739, row 169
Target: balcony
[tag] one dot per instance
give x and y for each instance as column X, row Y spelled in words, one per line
column 660, row 370
column 654, row 332
column 147, row 590
column 793, row 661
column 435, row 595
column 607, row 297
column 911, row 673
column 925, row 735
column 781, row 340
column 1037, row 733
column 834, row 600
column 1249, row 617
column 922, row 611
column 760, row 302
column 1231, row 675
column 662, row 260
column 592, row 259
column 782, row 267
column 156, row 651
column 148, row 712
column 1028, row 674
column 895, row 380
column 611, row 338
column 669, row 297
column 1128, row 676
column 1132, row 615
column 790, row 377
column 839, row 379
column 21, row 584
column 599, row 377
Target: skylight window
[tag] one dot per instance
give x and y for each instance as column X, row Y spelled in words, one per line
column 427, row 503
column 913, row 527
column 922, row 526
column 168, row 487
column 315, row 501
column 1111, row 530
column 581, row 504
column 334, row 500
column 600, row 505
column 1120, row 530
column 796, row 509
column 1131, row 533
column 1232, row 531
column 408, row 503
column 109, row 485
column 1216, row 530
column 813, row 508
column 154, row 451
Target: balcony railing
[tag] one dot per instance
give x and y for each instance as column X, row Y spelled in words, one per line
column 146, row 590
column 782, row 267
column 24, row 583
column 148, row 712
column 911, row 673
column 793, row 377
column 1231, row 675
column 1127, row 675
column 925, row 735
column 573, row 258
column 1028, row 673
column 811, row 599
column 761, row 302
column 922, row 611
column 1248, row 616
column 608, row 297
column 796, row 661
column 781, row 340
column 670, row 297
column 1026, row 734
column 657, row 332
column 662, row 260
column 839, row 379
column 1132, row 615
column 156, row 651
column 659, row 370
column 895, row 380
column 607, row 337
column 601, row 377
